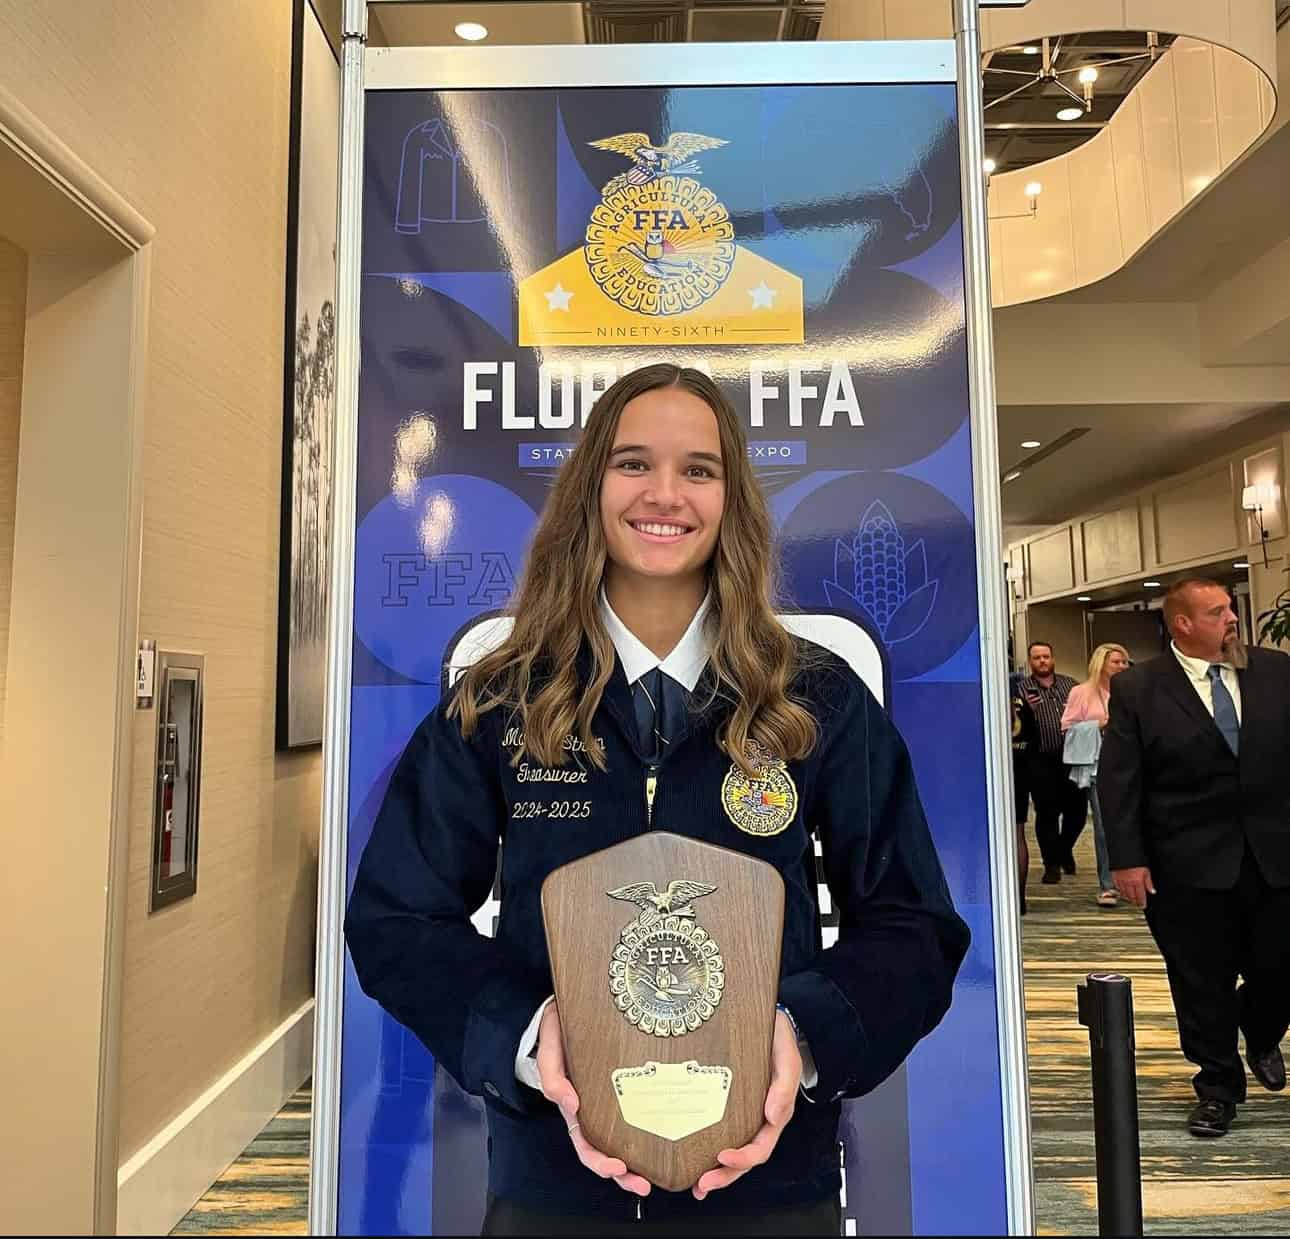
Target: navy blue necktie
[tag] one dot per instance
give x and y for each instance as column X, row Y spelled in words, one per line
column 659, row 702
column 1225, row 710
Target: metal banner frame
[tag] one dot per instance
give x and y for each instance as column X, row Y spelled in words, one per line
column 393, row 68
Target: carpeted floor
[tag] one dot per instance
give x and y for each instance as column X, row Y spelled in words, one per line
column 266, row 1191
column 1237, row 1185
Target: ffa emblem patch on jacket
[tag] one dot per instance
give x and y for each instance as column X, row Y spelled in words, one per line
column 764, row 805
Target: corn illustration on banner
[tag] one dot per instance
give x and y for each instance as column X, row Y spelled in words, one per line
column 803, row 244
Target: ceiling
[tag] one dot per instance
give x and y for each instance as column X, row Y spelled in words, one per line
column 430, row 22
column 1223, row 570
column 431, row 25
column 1023, row 129
column 1127, row 446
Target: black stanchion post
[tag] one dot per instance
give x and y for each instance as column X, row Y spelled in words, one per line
column 1106, row 1010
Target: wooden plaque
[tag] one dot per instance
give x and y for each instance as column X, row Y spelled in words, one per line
column 645, row 935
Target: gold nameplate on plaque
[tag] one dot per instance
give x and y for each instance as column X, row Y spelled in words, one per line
column 672, row 1100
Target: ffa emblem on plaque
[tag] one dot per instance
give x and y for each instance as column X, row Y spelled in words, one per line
column 659, row 243
column 763, row 805
column 667, row 974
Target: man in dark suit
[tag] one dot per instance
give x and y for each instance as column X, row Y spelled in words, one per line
column 1194, row 781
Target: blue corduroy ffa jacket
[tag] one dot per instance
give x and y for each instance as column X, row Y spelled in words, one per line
column 861, row 1004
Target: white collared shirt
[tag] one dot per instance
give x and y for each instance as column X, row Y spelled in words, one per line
column 1197, row 670
column 684, row 663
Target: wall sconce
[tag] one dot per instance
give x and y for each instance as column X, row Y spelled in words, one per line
column 1032, row 191
column 1255, row 499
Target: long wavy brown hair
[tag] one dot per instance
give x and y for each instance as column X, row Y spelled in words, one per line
column 753, row 659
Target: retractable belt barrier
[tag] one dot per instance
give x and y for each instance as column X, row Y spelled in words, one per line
column 1106, row 1010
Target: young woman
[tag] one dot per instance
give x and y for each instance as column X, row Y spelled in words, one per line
column 647, row 684
column 1089, row 703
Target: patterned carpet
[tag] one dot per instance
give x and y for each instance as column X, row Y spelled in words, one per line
column 266, row 1191
column 1237, row 1185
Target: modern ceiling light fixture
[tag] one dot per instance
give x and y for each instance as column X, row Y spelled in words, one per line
column 472, row 32
column 1050, row 75
column 1150, row 584
column 1030, row 443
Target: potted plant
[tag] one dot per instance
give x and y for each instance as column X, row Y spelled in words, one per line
column 1274, row 623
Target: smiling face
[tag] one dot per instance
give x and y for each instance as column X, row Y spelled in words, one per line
column 663, row 490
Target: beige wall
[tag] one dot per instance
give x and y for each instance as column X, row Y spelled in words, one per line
column 1174, row 524
column 183, row 109
column 1061, row 625
column 13, row 300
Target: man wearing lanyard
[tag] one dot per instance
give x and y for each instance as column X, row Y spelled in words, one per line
column 1060, row 806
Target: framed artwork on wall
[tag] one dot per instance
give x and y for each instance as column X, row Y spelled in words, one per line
column 310, row 381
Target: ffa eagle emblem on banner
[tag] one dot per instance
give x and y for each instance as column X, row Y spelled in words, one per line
column 660, row 264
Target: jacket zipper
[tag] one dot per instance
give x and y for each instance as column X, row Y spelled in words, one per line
column 651, row 786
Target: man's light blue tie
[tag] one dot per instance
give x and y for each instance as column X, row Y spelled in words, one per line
column 1225, row 710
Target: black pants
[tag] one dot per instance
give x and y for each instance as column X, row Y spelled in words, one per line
column 1208, row 939
column 823, row 1218
column 1060, row 807
column 1021, row 785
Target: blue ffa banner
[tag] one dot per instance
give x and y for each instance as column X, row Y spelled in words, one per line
column 804, row 245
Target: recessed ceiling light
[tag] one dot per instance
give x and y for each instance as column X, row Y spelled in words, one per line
column 1013, row 476
column 1070, row 113
column 1029, row 443
column 1151, row 584
column 472, row 32
column 1241, row 563
column 1084, row 598
column 1030, row 50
